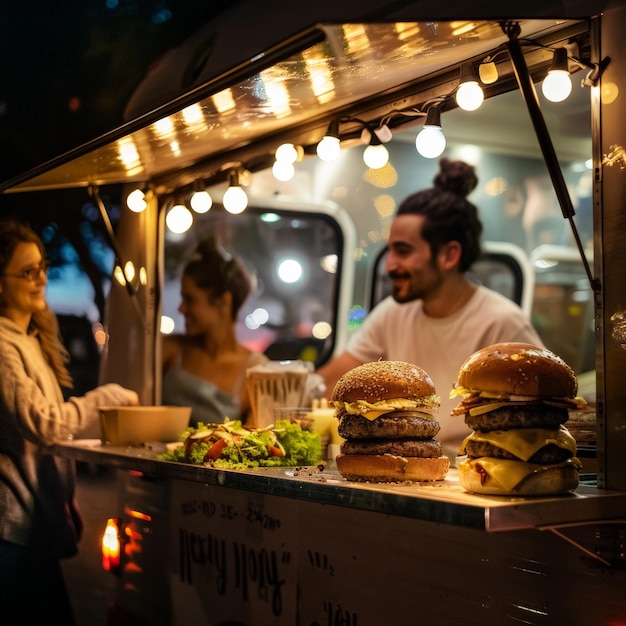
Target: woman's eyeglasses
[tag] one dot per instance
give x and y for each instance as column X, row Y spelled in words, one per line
column 31, row 274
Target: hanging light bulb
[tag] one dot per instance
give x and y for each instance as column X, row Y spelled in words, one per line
column 235, row 198
column 557, row 85
column 283, row 170
column 329, row 147
column 469, row 95
column 179, row 219
column 376, row 154
column 286, row 155
column 136, row 201
column 201, row 201
column 430, row 141
column 289, row 153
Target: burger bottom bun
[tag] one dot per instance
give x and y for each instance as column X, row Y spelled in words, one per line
column 548, row 481
column 387, row 468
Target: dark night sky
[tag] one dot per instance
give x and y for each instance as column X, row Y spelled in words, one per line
column 68, row 68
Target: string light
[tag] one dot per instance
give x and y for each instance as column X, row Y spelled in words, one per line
column 329, row 147
column 136, row 201
column 488, row 72
column 179, row 219
column 235, row 198
column 469, row 95
column 201, row 201
column 283, row 170
column 557, row 85
column 430, row 141
column 376, row 154
column 286, row 155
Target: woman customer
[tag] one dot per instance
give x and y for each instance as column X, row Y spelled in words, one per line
column 205, row 367
column 39, row 519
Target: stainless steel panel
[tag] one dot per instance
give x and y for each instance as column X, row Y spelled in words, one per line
column 610, row 207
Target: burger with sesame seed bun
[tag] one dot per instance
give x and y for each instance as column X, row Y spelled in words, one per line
column 387, row 416
column 517, row 397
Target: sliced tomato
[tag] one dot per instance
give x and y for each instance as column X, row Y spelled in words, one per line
column 216, row 449
column 276, row 450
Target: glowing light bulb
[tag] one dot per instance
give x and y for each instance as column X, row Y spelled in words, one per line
column 136, row 201
column 557, row 85
column 328, row 148
column 287, row 153
column 235, row 200
column 283, row 170
column 179, row 219
column 469, row 95
column 430, row 141
column 201, row 201
column 376, row 156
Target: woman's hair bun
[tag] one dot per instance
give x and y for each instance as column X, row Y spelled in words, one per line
column 209, row 248
column 456, row 177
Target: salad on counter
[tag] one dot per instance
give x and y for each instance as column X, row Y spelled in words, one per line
column 231, row 446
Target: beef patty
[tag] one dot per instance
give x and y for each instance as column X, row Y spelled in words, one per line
column 518, row 416
column 394, row 425
column 549, row 454
column 424, row 448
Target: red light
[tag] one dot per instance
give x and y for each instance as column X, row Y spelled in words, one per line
column 111, row 546
column 138, row 515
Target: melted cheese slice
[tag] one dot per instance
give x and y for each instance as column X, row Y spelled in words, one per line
column 498, row 401
column 372, row 410
column 524, row 442
column 508, row 474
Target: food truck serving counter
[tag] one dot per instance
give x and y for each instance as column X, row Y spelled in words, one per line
column 443, row 502
column 305, row 546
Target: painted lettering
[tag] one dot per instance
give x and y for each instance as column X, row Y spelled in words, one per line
column 338, row 616
column 208, row 552
column 259, row 568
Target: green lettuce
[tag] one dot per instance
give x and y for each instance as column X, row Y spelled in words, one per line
column 249, row 448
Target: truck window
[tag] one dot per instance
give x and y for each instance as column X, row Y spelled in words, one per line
column 293, row 258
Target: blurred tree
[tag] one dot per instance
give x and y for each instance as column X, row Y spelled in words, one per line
column 68, row 69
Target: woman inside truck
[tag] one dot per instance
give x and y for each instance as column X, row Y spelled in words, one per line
column 205, row 368
column 39, row 519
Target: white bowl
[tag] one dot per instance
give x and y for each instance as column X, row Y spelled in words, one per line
column 135, row 424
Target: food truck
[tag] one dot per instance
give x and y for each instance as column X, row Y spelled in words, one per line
column 304, row 546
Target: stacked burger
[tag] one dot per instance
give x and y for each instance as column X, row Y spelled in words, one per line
column 516, row 398
column 386, row 412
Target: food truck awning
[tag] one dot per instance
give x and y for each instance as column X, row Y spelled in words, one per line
column 290, row 91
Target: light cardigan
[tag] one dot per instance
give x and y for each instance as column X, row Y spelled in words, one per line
column 37, row 506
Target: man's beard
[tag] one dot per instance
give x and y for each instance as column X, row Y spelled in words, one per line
column 410, row 292
column 402, row 296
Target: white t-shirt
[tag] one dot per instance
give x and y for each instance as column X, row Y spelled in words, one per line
column 403, row 332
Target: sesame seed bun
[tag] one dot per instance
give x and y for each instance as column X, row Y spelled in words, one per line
column 518, row 369
column 383, row 380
